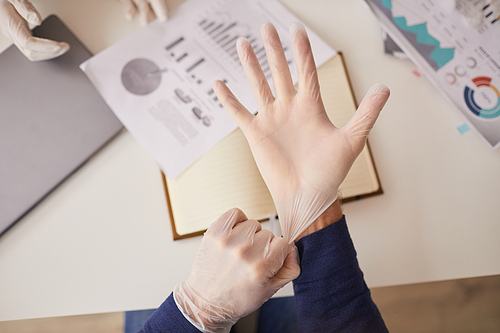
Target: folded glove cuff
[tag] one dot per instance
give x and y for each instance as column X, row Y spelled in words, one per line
column 298, row 213
column 202, row 314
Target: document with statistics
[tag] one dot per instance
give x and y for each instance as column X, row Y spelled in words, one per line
column 158, row 81
column 462, row 61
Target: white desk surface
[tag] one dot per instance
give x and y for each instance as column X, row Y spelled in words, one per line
column 102, row 241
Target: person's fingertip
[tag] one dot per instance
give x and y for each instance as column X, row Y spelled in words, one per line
column 36, row 19
column 216, row 84
column 379, row 89
column 241, row 41
column 129, row 9
column 162, row 16
column 64, row 47
column 295, row 27
column 266, row 26
column 160, row 9
column 58, row 47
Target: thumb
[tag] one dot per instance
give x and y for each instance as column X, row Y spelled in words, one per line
column 368, row 111
column 290, row 269
column 27, row 11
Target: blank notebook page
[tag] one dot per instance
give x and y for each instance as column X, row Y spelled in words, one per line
column 224, row 178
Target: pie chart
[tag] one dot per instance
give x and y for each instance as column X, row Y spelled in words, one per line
column 141, row 76
column 484, row 101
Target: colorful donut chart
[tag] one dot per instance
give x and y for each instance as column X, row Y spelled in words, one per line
column 482, row 81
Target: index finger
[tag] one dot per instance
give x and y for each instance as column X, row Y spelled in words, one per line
column 226, row 222
column 306, row 67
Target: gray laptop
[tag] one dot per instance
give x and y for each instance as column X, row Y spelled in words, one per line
column 52, row 121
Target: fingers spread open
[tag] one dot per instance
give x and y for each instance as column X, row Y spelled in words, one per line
column 235, row 109
column 278, row 64
column 256, row 78
column 306, row 67
column 364, row 118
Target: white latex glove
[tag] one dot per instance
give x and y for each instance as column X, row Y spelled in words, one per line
column 238, row 267
column 14, row 18
column 301, row 155
column 146, row 10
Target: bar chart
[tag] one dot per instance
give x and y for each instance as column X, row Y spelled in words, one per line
column 223, row 28
column 182, row 53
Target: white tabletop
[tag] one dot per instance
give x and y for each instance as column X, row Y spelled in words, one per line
column 102, row 241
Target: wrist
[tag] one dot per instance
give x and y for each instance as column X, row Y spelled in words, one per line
column 331, row 215
column 204, row 315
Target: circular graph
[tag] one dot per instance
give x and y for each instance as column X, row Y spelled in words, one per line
column 460, row 71
column 141, row 77
column 471, row 62
column 450, row 78
column 487, row 106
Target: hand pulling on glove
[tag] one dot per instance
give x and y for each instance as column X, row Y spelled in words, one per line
column 238, row 267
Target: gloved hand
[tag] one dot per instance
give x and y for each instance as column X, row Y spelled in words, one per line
column 238, row 267
column 147, row 10
column 301, row 155
column 14, row 18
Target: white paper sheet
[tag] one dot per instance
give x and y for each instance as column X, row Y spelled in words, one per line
column 462, row 62
column 158, row 81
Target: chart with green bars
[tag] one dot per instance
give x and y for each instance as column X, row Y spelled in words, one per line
column 415, row 26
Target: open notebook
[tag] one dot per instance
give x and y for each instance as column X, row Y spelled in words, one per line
column 228, row 177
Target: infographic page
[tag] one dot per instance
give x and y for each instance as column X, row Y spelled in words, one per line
column 462, row 61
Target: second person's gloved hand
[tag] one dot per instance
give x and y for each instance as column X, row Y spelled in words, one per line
column 14, row 19
column 146, row 10
column 238, row 267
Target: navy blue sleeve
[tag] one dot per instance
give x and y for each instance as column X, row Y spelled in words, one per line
column 168, row 318
column 331, row 294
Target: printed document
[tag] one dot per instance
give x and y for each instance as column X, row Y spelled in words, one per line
column 462, row 62
column 158, row 81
